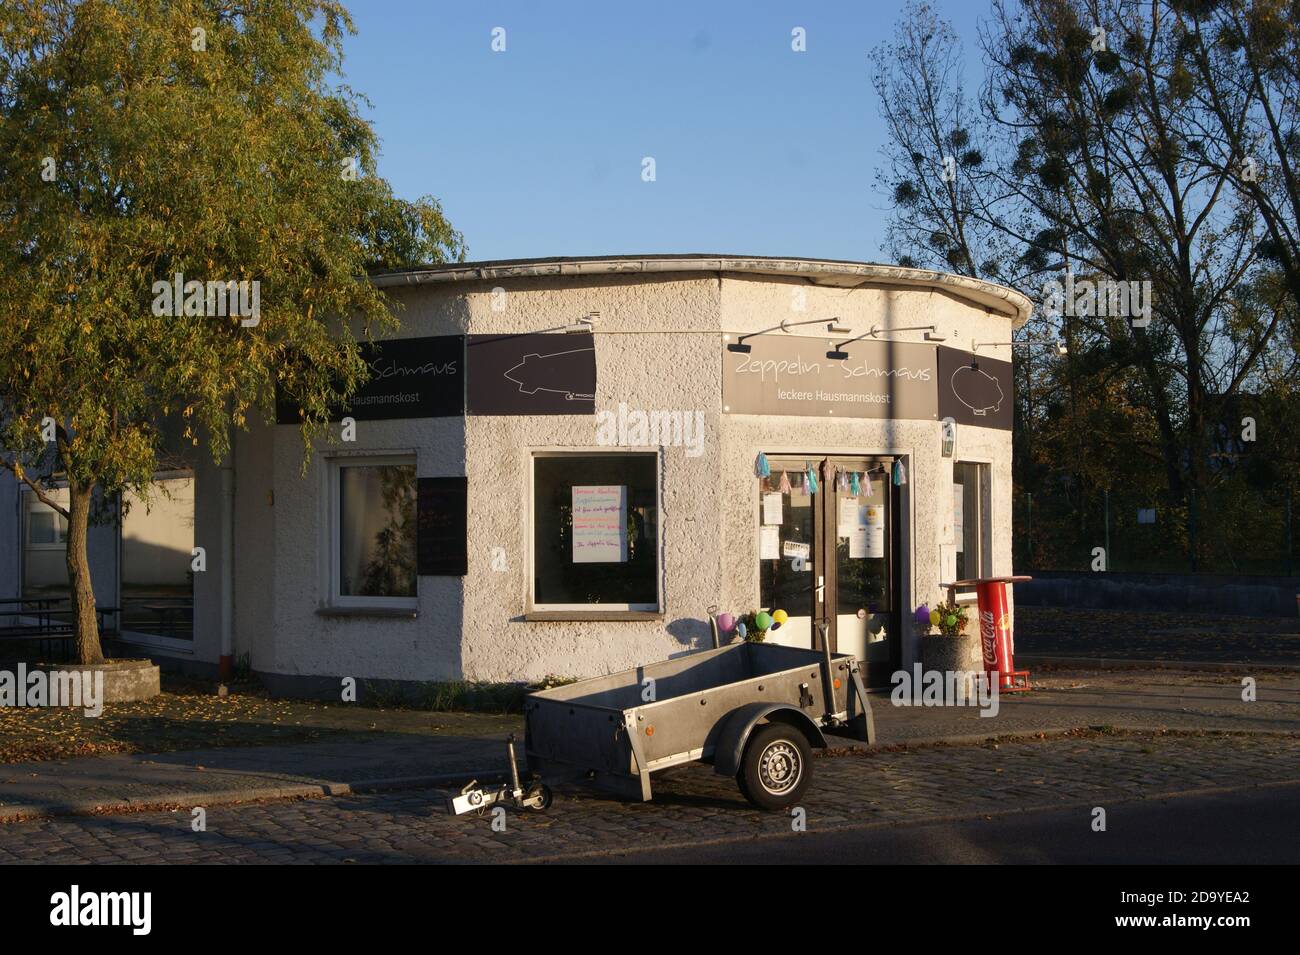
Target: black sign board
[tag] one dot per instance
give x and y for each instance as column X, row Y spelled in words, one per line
column 442, row 527
column 531, row 374
column 409, row 378
column 975, row 390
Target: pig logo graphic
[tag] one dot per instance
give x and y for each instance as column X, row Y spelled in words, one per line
column 976, row 389
column 551, row 371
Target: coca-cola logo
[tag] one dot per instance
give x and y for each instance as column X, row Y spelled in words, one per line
column 987, row 637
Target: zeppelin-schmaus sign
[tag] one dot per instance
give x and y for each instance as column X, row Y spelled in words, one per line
column 787, row 375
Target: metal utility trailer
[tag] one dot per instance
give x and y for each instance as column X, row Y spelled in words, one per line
column 753, row 710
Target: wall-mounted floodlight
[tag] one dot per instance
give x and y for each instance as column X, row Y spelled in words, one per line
column 586, row 324
column 834, row 326
column 1056, row 343
column 837, row 352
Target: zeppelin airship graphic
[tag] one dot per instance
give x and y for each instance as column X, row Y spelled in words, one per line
column 554, row 372
column 976, row 389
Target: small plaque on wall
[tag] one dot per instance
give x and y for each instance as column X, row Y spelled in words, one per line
column 442, row 539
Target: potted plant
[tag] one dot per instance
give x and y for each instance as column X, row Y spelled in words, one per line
column 954, row 647
column 754, row 626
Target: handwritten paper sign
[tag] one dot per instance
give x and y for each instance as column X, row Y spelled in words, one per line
column 772, row 506
column 769, row 542
column 600, row 524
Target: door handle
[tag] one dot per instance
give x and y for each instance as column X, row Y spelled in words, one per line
column 821, row 586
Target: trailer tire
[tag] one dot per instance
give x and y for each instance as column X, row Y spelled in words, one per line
column 776, row 767
column 543, row 794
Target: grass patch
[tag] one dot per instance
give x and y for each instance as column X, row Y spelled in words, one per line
column 189, row 715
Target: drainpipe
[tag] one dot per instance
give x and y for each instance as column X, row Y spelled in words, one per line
column 226, row 663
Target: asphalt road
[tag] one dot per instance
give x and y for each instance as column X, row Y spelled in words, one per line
column 1252, row 826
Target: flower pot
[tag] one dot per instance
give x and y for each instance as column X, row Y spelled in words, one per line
column 943, row 653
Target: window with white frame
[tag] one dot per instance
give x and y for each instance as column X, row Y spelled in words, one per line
column 595, row 528
column 373, row 532
column 45, row 544
column 46, row 528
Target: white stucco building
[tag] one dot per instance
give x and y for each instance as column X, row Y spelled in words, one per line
column 556, row 471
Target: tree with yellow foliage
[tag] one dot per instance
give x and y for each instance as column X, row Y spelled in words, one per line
column 199, row 147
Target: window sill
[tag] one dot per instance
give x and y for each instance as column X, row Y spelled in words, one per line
column 543, row 615
column 407, row 612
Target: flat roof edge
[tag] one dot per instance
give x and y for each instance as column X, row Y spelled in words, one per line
column 995, row 298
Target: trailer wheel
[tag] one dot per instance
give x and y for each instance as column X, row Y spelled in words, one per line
column 544, row 792
column 776, row 767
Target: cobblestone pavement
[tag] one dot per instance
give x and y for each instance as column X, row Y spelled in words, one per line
column 692, row 806
column 1062, row 700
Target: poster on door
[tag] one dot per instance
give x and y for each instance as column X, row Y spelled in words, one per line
column 873, row 530
column 864, row 526
column 599, row 524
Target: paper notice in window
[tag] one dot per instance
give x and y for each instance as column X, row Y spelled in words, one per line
column 600, row 524
column 857, row 542
column 772, row 508
column 849, row 517
column 769, row 543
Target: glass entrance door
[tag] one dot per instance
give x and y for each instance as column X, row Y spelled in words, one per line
column 862, row 582
column 789, row 534
column 831, row 557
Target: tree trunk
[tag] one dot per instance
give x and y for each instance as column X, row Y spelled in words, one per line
column 85, row 624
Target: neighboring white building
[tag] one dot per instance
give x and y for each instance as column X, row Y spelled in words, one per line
column 511, row 428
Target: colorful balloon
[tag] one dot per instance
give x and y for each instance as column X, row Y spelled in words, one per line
column 934, row 618
column 741, row 629
column 780, row 616
column 763, row 620
column 726, row 623
column 923, row 614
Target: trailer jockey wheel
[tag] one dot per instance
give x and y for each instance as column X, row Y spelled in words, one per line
column 542, row 794
column 776, row 767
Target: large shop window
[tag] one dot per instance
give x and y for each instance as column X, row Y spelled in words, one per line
column 157, row 553
column 45, row 542
column 596, row 532
column 374, row 521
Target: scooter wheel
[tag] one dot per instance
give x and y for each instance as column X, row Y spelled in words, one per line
column 542, row 792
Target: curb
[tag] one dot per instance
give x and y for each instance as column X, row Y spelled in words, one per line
column 226, row 797
column 1123, row 663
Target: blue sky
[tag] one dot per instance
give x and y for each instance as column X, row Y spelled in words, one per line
column 538, row 150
